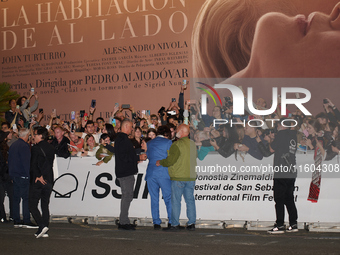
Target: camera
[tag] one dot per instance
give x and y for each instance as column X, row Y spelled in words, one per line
column 325, row 101
column 333, row 143
column 228, row 102
column 161, row 111
column 268, row 132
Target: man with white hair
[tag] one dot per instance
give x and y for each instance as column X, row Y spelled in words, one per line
column 19, row 158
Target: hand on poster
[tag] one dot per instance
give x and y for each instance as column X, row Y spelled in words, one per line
column 58, row 120
column 115, row 109
column 186, row 105
column 40, row 116
column 92, row 110
column 53, row 115
column 327, row 103
column 132, row 109
column 184, row 85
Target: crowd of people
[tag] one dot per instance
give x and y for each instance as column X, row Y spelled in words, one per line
column 125, row 138
column 159, row 138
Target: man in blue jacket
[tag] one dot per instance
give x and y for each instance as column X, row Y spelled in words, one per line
column 157, row 177
column 19, row 158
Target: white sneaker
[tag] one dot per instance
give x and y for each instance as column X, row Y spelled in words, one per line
column 44, row 235
column 42, row 232
column 292, row 228
column 277, row 229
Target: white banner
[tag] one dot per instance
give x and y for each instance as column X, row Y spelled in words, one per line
column 84, row 189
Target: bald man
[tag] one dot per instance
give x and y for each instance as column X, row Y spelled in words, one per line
column 126, row 160
column 181, row 163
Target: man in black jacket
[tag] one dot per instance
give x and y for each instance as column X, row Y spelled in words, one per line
column 42, row 157
column 285, row 146
column 126, row 161
column 60, row 143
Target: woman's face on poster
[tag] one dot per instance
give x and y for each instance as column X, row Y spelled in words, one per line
column 297, row 46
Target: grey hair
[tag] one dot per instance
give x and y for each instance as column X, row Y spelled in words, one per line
column 23, row 132
column 126, row 120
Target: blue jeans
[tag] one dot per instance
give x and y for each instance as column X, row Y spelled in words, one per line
column 179, row 188
column 21, row 191
column 153, row 186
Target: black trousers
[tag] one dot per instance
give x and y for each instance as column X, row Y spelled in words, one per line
column 42, row 193
column 284, row 196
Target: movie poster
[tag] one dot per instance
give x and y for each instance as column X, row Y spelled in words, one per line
column 127, row 52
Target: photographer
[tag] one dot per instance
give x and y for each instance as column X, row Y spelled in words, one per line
column 191, row 115
column 176, row 110
column 329, row 106
column 217, row 113
column 225, row 146
column 268, row 135
column 252, row 140
column 23, row 103
column 333, row 148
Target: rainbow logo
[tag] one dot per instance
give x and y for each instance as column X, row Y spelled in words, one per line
column 209, row 93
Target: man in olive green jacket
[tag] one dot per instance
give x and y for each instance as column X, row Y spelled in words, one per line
column 181, row 163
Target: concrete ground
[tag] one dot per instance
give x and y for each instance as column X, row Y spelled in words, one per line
column 67, row 238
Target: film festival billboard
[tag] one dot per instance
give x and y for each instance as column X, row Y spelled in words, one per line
column 126, row 52
column 254, row 68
